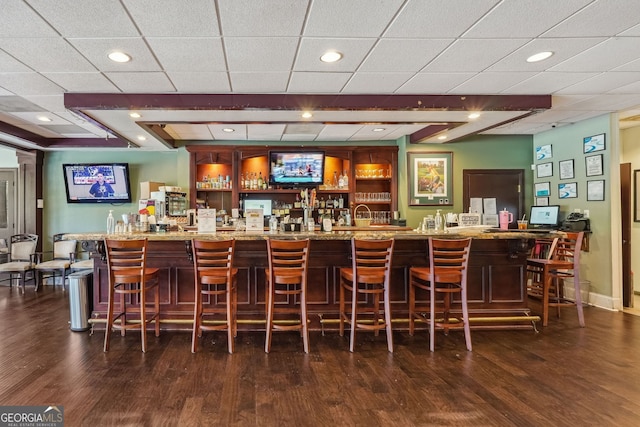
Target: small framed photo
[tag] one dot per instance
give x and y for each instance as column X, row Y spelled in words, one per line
column 544, row 152
column 593, row 143
column 593, row 165
column 542, row 201
column 566, row 169
column 542, row 189
column 595, row 190
column 568, row 190
column 544, row 169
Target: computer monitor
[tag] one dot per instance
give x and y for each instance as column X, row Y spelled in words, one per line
column 544, row 216
column 265, row 205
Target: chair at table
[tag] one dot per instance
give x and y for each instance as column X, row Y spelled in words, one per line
column 215, row 279
column 131, row 280
column 60, row 262
column 446, row 276
column 368, row 282
column 563, row 263
column 21, row 258
column 82, row 259
column 286, row 288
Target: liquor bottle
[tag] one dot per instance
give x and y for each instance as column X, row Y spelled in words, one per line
column 345, row 179
column 341, row 181
column 111, row 223
column 335, row 179
column 260, row 181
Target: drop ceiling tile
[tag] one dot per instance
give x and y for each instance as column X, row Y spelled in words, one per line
column 473, row 55
column 18, row 19
column 311, row 49
column 32, row 117
column 563, row 49
column 608, row 82
column 509, row 18
column 260, row 54
column 265, row 132
column 268, row 82
column 339, row 132
column 403, row 54
column 195, row 82
column 434, row 82
column 544, row 83
column 294, row 137
column 188, row 53
column 16, row 104
column 599, row 18
column 188, row 131
column 430, row 19
column 28, row 84
column 630, row 88
column 9, row 64
column 240, row 131
column 605, row 56
column 353, row 18
column 362, row 82
column 488, row 82
column 250, row 17
column 86, row 18
column 141, row 82
column 198, row 19
column 82, row 82
column 53, row 103
column 96, row 51
column 46, row 54
column 317, row 82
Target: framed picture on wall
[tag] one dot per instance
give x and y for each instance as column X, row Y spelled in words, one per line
column 542, row 201
column 595, row 190
column 593, row 143
column 568, row 190
column 430, row 178
column 544, row 169
column 544, row 152
column 566, row 169
column 542, row 189
column 593, row 165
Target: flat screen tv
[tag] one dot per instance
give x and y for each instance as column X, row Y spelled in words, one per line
column 97, row 183
column 544, row 216
column 296, row 168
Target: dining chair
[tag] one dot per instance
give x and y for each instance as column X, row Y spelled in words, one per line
column 215, row 282
column 368, row 282
column 21, row 259
column 445, row 277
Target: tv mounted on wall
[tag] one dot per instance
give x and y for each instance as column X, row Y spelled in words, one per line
column 296, row 168
column 97, row 183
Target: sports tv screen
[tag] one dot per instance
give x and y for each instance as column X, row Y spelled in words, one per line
column 97, row 183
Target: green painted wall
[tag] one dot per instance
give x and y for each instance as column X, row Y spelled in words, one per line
column 567, row 143
column 171, row 168
column 478, row 152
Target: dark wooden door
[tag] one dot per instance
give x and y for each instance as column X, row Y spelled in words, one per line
column 625, row 208
column 505, row 185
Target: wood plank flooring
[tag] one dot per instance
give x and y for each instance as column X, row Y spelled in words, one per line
column 562, row 376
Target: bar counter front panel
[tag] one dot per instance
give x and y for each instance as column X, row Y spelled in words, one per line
column 496, row 280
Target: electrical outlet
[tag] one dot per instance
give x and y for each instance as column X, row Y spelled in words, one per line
column 586, row 213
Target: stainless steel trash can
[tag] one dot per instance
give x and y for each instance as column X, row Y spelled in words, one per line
column 79, row 301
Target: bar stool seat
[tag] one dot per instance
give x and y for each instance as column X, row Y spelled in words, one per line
column 131, row 280
column 368, row 282
column 286, row 288
column 447, row 276
column 215, row 279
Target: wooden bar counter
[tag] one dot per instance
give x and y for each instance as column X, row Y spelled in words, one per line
column 497, row 277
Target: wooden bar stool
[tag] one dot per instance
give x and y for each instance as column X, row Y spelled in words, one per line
column 215, row 279
column 131, row 279
column 563, row 263
column 368, row 278
column 446, row 275
column 287, row 282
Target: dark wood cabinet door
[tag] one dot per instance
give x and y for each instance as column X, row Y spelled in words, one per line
column 505, row 185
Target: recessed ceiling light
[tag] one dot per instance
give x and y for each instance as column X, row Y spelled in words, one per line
column 539, row 56
column 134, row 115
column 473, row 116
column 44, row 118
column 142, row 138
column 118, row 56
column 442, row 137
column 331, row 56
column 378, row 129
column 307, row 115
column 228, row 130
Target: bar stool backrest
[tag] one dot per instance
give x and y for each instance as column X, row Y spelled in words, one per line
column 127, row 259
column 371, row 260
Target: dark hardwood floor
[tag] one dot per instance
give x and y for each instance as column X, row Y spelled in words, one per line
column 562, row 376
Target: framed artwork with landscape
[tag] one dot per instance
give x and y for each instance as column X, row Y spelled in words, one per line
column 430, row 176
